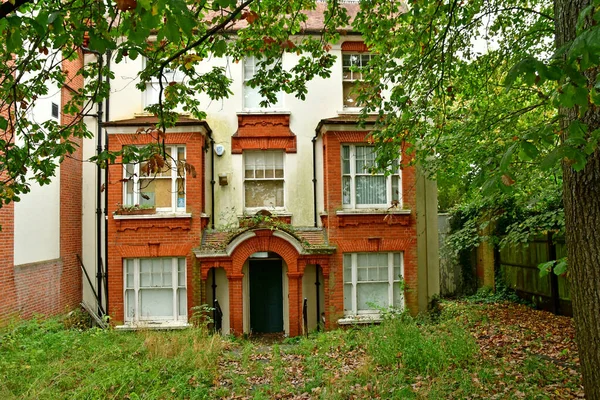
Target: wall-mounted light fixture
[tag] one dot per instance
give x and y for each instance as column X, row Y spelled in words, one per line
column 223, row 180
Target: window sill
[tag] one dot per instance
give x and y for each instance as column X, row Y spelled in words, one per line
column 360, row 319
column 354, row 110
column 154, row 325
column 261, row 111
column 370, row 211
column 158, row 215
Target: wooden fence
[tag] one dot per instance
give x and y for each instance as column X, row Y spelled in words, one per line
column 519, row 268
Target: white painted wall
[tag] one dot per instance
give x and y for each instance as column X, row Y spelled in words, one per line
column 37, row 215
column 324, row 100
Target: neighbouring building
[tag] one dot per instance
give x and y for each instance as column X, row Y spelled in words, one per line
column 41, row 236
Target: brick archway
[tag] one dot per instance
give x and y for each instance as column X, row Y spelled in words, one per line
column 266, row 240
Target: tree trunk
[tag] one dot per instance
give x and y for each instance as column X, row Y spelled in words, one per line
column 582, row 218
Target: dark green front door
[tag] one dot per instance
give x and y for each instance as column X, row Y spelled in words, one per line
column 266, row 296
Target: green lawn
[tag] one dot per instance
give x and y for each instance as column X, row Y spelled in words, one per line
column 472, row 351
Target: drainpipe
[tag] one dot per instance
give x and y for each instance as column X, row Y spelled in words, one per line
column 212, row 179
column 98, row 191
column 314, row 146
column 107, row 118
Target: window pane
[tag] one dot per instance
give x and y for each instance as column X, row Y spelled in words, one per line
column 180, row 193
column 130, row 303
column 370, row 190
column 181, row 272
column 167, row 273
column 145, row 273
column 182, row 302
column 129, row 274
column 156, row 303
column 157, row 273
column 362, row 260
column 398, row 296
column 350, row 94
column 395, row 188
column 348, row 297
column 345, row 159
column 397, row 266
column 346, row 192
column 263, row 193
column 363, row 274
column 372, row 295
column 347, row 273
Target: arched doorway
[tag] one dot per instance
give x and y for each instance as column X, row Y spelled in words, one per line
column 266, row 292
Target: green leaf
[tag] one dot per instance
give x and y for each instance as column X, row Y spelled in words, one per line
column 3, row 123
column 551, row 159
column 507, row 157
column 545, row 268
column 529, row 150
column 561, row 266
column 219, row 47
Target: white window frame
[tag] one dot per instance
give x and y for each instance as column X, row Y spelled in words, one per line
column 353, row 174
column 137, row 177
column 392, row 281
column 277, row 208
column 153, row 86
column 352, row 79
column 175, row 286
column 247, row 90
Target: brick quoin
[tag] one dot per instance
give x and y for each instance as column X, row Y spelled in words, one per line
column 364, row 232
column 154, row 237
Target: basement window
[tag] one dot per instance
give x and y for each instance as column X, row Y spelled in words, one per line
column 372, row 282
column 155, row 289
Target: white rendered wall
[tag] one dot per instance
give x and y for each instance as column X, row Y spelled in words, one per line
column 37, row 215
column 323, row 100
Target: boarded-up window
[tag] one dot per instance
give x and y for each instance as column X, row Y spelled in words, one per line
column 263, row 179
column 164, row 189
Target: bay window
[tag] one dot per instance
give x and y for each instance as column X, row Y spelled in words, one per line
column 163, row 189
column 372, row 282
column 365, row 187
column 155, row 289
column 263, row 179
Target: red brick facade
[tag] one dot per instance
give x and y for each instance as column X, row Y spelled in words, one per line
column 368, row 232
column 158, row 236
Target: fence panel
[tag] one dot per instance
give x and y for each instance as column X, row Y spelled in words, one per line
column 519, row 268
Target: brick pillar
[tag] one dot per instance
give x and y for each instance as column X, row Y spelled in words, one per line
column 236, row 304
column 295, row 296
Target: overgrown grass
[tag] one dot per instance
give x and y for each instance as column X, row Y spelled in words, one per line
column 45, row 360
column 467, row 352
